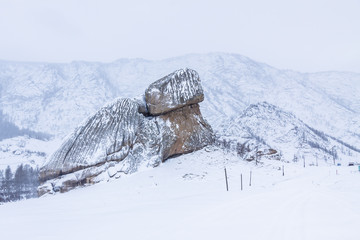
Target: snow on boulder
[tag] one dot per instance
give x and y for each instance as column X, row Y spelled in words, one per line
column 106, row 136
column 174, row 91
column 122, row 137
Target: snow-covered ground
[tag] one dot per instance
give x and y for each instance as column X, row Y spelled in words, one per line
column 185, row 198
column 25, row 150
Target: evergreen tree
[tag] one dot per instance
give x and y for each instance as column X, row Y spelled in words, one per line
column 19, row 182
column 240, row 149
column 1, row 186
column 22, row 184
column 8, row 184
column 19, row 177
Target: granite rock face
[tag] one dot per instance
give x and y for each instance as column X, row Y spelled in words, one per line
column 127, row 135
column 174, row 91
column 106, row 136
column 184, row 130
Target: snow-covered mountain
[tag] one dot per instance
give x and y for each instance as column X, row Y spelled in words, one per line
column 10, row 130
column 55, row 98
column 273, row 128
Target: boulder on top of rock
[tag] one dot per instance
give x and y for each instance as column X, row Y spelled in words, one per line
column 123, row 137
column 174, row 91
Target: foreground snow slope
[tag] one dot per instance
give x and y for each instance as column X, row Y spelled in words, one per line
column 185, row 198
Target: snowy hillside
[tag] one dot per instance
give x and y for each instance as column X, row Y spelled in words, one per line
column 55, row 98
column 186, row 198
column 10, row 130
column 25, row 150
column 283, row 131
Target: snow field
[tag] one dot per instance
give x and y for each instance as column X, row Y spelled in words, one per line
column 186, row 198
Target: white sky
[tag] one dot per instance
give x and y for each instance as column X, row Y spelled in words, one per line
column 305, row 35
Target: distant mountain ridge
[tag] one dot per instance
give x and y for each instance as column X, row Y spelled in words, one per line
column 273, row 128
column 55, row 98
column 10, row 130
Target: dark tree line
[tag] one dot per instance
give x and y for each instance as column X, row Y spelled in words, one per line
column 347, row 145
column 331, row 151
column 19, row 185
column 318, row 133
column 9, row 130
column 325, row 137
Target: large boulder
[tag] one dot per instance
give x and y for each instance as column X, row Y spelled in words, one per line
column 106, row 136
column 174, row 91
column 184, row 130
column 123, row 136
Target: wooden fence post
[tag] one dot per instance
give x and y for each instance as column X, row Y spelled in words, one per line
column 226, row 180
column 250, row 179
column 241, row 182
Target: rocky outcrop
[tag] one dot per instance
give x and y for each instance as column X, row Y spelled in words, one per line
column 174, row 91
column 130, row 134
column 184, row 130
column 106, row 136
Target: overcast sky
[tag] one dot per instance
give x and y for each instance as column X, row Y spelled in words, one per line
column 304, row 35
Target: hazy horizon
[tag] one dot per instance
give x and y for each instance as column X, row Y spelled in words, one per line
column 305, row 36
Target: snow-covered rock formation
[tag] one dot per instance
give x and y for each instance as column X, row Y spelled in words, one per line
column 174, row 91
column 123, row 136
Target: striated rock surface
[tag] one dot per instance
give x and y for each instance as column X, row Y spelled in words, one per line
column 106, row 136
column 174, row 91
column 123, row 137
